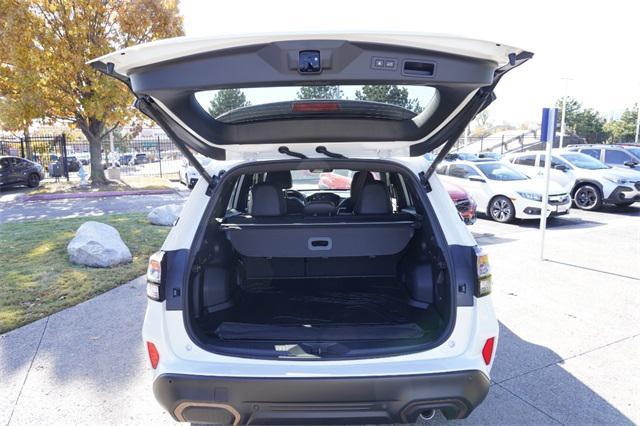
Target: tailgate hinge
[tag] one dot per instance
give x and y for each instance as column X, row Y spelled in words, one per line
column 215, row 179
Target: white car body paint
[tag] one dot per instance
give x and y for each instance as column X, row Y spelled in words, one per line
column 601, row 176
column 461, row 351
column 153, row 52
column 484, row 192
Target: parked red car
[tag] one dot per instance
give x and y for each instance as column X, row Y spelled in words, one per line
column 337, row 179
column 464, row 203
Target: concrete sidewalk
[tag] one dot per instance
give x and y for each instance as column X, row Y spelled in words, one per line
column 85, row 207
column 569, row 349
column 96, row 194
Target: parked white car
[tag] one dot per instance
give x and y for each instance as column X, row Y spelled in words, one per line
column 276, row 302
column 596, row 183
column 527, row 163
column 502, row 192
column 189, row 175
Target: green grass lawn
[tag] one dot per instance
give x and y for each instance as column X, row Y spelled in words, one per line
column 37, row 278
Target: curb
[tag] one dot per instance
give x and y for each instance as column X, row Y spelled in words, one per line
column 96, row 194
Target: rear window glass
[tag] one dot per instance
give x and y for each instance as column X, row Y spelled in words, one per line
column 583, row 161
column 613, row 156
column 526, row 160
column 336, row 179
column 635, row 151
column 412, row 99
column 595, row 153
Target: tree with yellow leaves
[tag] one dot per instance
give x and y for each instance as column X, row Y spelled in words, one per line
column 44, row 46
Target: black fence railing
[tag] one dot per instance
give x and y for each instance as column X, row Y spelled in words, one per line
column 61, row 155
column 499, row 144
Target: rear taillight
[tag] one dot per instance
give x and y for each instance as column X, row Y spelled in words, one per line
column 483, row 273
column 155, row 287
column 487, row 350
column 154, row 355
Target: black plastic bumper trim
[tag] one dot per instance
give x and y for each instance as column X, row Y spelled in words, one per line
column 618, row 195
column 387, row 399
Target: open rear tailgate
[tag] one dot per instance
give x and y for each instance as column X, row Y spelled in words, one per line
column 166, row 76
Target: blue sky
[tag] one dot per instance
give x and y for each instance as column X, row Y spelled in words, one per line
column 596, row 44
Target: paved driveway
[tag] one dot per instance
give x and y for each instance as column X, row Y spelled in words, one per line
column 569, row 349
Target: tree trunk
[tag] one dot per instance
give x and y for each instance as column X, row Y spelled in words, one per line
column 92, row 129
column 27, row 143
column 95, row 151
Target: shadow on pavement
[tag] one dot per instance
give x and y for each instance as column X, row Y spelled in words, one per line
column 593, row 269
column 560, row 223
column 632, row 210
column 486, row 239
column 95, row 350
column 97, row 343
column 530, row 386
column 554, row 222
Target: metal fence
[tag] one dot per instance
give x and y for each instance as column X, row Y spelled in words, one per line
column 499, row 144
column 133, row 157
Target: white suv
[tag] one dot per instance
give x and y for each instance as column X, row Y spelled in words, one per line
column 595, row 183
column 276, row 301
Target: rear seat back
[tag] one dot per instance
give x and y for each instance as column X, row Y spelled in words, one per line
column 267, row 200
column 374, row 199
column 374, row 231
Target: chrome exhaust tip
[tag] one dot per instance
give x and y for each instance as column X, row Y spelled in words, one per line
column 427, row 415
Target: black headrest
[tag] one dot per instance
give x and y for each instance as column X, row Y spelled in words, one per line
column 374, row 199
column 319, row 208
column 267, row 200
column 359, row 180
column 282, row 179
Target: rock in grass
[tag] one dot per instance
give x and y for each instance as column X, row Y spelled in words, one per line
column 99, row 245
column 165, row 215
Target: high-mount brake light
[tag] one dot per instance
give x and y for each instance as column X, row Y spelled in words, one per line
column 315, row 106
column 483, row 273
column 155, row 287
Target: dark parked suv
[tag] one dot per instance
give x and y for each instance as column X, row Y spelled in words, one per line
column 18, row 171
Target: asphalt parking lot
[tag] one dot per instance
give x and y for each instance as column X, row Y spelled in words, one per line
column 569, row 349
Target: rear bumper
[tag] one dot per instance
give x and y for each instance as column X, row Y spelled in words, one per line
column 389, row 399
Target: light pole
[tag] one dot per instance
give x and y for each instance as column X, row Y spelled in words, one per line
column 564, row 108
column 637, row 121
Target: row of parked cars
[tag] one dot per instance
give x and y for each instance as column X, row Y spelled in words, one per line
column 587, row 176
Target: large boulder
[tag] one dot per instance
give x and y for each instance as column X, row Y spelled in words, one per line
column 99, row 245
column 165, row 215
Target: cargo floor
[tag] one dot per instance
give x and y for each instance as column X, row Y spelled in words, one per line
column 322, row 309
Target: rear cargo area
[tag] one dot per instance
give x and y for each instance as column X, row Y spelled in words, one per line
column 322, row 310
column 336, row 304
column 321, row 281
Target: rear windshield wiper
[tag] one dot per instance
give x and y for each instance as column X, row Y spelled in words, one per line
column 325, row 151
column 286, row 151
